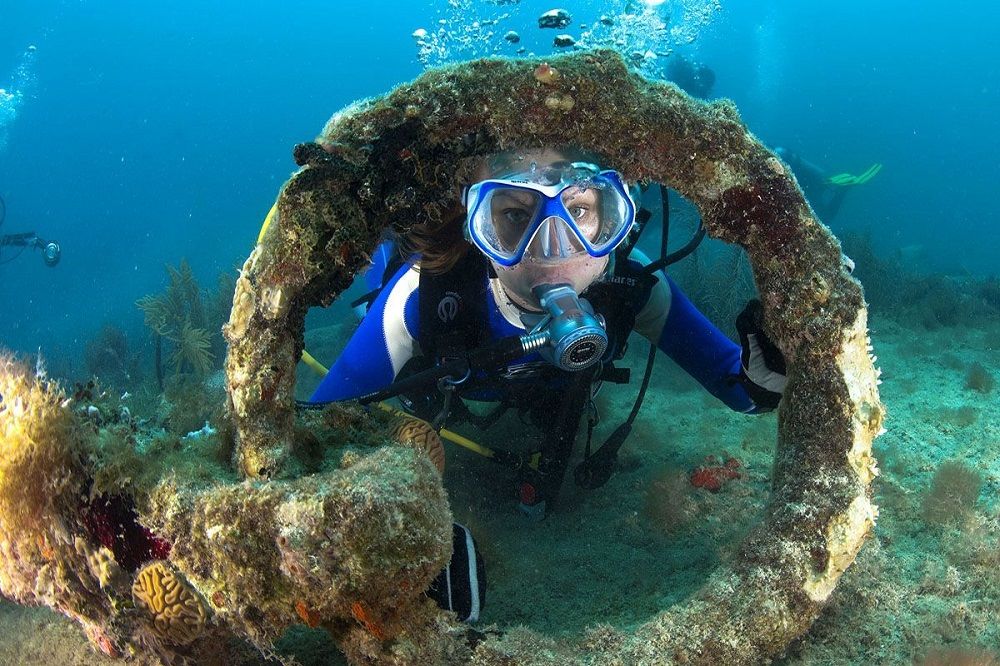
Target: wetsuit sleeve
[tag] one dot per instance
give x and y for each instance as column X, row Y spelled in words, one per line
column 384, row 341
column 693, row 342
column 703, row 351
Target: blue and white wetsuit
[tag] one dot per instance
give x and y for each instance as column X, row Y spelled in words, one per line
column 388, row 337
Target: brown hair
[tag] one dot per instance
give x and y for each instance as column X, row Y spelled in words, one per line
column 442, row 243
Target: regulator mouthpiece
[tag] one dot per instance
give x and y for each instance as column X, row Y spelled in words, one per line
column 571, row 336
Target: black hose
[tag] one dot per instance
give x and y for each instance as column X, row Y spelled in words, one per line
column 596, row 468
column 664, row 257
column 677, row 255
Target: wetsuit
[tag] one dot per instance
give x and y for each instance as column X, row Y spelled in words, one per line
column 388, row 337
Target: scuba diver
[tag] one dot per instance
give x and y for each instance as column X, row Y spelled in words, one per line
column 526, row 299
column 824, row 193
column 696, row 79
column 51, row 251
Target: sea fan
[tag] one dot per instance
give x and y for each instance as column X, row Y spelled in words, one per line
column 191, row 350
column 166, row 313
column 185, row 292
column 156, row 311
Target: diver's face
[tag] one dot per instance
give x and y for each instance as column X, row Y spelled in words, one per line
column 579, row 270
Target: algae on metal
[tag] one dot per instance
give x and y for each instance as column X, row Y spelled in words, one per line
column 398, row 162
column 247, row 560
column 46, row 555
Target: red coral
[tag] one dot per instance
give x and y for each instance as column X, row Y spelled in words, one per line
column 113, row 521
column 309, row 616
column 365, row 617
column 712, row 477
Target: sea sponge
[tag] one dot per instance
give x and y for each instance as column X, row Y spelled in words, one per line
column 669, row 503
column 960, row 656
column 979, row 379
column 101, row 562
column 175, row 610
column 547, row 74
column 106, row 355
column 558, row 101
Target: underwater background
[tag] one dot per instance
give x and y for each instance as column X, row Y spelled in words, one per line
column 145, row 135
column 141, row 134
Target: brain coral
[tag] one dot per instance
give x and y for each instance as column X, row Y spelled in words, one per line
column 421, row 436
column 177, row 612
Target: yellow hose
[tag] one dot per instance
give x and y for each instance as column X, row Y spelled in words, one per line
column 267, row 222
column 315, row 365
column 451, row 436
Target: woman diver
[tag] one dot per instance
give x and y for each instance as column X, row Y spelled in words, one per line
column 538, row 256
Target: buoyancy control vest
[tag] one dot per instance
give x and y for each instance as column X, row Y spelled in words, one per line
column 453, row 316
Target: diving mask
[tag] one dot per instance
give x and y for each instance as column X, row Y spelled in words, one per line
column 549, row 214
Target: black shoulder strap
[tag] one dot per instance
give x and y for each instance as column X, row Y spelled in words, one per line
column 452, row 307
column 619, row 298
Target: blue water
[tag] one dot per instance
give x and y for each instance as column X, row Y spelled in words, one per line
column 145, row 133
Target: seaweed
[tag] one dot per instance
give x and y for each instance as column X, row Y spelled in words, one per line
column 979, row 379
column 953, row 493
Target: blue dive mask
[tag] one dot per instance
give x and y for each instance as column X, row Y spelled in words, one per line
column 549, row 214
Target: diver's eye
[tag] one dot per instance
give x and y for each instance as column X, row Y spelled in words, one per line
column 515, row 217
column 586, row 221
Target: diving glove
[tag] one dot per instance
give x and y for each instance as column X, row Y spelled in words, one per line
column 762, row 366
